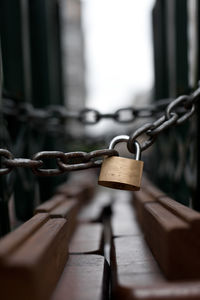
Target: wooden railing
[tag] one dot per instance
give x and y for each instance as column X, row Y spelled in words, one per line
column 142, row 246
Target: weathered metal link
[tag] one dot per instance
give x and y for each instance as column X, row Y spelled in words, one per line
column 103, row 152
column 162, row 123
column 139, row 133
column 60, row 112
column 39, row 115
column 186, row 116
column 87, row 159
column 26, row 112
column 75, row 167
column 119, row 115
column 9, row 108
column 7, row 155
column 89, row 116
column 73, row 161
column 175, row 104
column 152, row 130
column 193, row 98
column 108, row 116
column 22, row 162
column 57, row 111
column 40, row 156
column 176, row 112
column 64, row 162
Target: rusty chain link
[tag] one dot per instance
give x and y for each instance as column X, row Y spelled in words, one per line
column 88, row 116
column 176, row 112
column 65, row 162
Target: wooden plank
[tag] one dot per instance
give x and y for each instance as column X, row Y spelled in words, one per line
column 173, row 243
column 81, row 186
column 74, row 191
column 92, row 212
column 139, row 200
column 51, row 203
column 164, row 218
column 153, row 191
column 168, row 291
column 68, row 210
column 135, row 273
column 132, row 265
column 87, row 239
column 123, row 220
column 16, row 238
column 83, row 279
column 150, row 188
column 187, row 214
column 60, row 207
column 32, row 271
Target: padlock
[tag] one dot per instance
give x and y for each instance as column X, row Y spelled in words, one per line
column 119, row 172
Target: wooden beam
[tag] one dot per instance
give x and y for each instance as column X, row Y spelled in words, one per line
column 83, row 279
column 87, row 239
column 33, row 269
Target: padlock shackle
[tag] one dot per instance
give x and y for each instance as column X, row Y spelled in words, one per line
column 125, row 138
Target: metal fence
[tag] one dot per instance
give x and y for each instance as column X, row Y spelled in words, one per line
column 32, row 80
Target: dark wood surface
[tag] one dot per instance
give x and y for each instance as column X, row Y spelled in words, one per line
column 151, row 189
column 135, row 264
column 167, row 291
column 151, row 237
column 92, row 212
column 166, row 234
column 139, row 200
column 51, row 204
column 61, row 206
column 65, row 209
column 171, row 230
column 123, row 219
column 187, row 214
column 81, row 185
column 33, row 269
column 88, row 238
column 83, row 278
column 132, row 266
column 72, row 191
column 15, row 239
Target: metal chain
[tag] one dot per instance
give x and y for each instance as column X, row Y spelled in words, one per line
column 65, row 162
column 176, row 112
column 88, row 116
column 173, row 116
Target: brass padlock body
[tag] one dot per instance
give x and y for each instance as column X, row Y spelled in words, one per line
column 121, row 173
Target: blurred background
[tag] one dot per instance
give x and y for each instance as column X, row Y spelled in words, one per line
column 67, row 66
column 118, row 52
column 108, row 59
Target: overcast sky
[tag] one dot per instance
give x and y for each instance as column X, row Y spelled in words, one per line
column 118, row 51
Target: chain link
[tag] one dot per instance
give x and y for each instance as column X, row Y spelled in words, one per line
column 65, row 162
column 7, row 155
column 177, row 102
column 88, row 116
column 176, row 112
